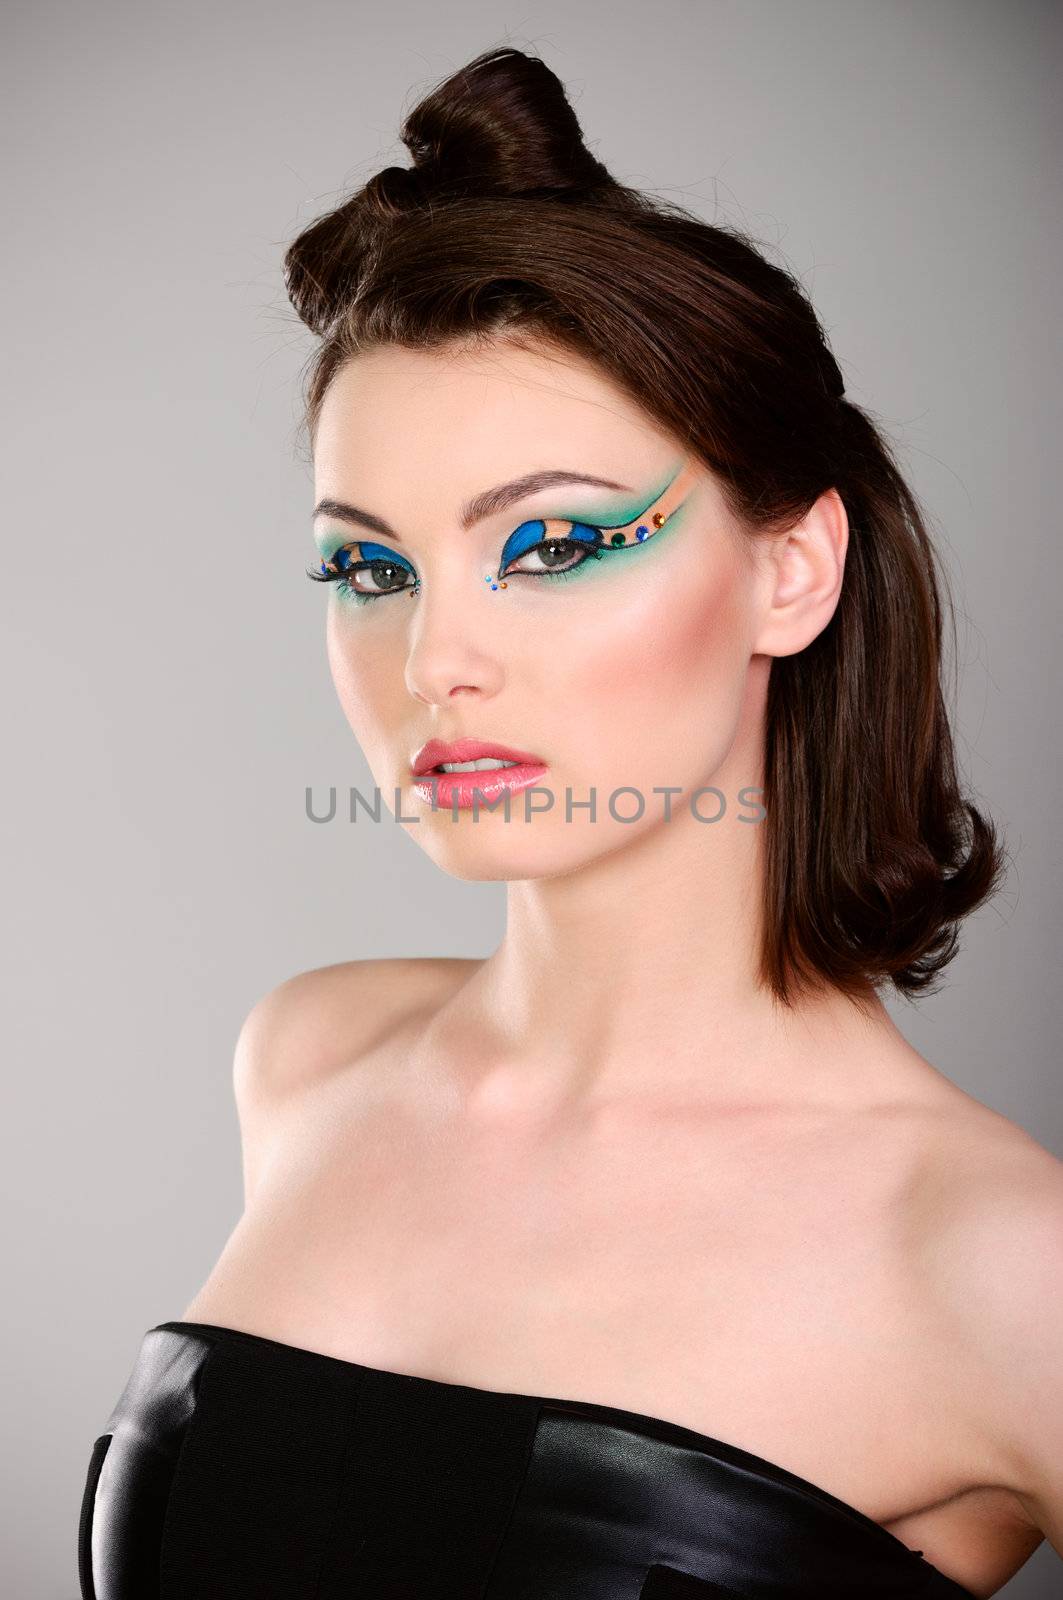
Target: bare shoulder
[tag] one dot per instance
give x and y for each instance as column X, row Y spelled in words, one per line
column 313, row 1025
column 990, row 1253
column 318, row 1021
column 988, row 1203
column 993, row 1216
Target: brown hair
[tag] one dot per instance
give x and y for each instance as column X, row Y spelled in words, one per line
column 506, row 226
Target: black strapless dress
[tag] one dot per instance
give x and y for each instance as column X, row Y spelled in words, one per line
column 235, row 1467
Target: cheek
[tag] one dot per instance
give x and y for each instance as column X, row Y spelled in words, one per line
column 364, row 678
column 658, row 663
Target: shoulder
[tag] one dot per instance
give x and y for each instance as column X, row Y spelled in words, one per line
column 310, row 1026
column 991, row 1250
column 326, row 1018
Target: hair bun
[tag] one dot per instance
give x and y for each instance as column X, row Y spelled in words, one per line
column 501, row 126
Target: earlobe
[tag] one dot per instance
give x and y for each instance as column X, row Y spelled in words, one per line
column 803, row 577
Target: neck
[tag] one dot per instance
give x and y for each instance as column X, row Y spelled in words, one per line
column 636, row 976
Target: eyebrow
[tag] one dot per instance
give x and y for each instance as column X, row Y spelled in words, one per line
column 485, row 504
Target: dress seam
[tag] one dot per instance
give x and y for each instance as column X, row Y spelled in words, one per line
column 485, row 1592
column 163, row 1574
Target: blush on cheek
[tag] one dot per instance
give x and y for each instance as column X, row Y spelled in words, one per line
column 658, row 669
column 686, row 623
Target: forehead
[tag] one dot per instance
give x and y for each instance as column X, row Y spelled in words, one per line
column 459, row 420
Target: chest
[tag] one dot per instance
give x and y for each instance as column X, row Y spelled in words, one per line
column 757, row 1289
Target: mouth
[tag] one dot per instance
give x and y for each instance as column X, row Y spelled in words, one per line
column 488, row 764
column 469, row 755
column 466, row 772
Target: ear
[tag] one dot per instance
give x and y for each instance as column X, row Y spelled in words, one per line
column 803, row 571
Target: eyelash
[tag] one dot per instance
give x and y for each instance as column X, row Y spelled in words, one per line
column 589, row 551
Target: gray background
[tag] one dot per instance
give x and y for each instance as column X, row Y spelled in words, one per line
column 165, row 655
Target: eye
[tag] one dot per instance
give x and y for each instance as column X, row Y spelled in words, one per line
column 555, row 546
column 379, row 572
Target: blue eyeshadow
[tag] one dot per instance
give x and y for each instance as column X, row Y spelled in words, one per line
column 531, row 533
column 379, row 552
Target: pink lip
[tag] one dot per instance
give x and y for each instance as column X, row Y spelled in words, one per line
column 435, row 751
column 463, row 789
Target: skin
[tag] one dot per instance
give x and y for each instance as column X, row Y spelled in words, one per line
column 657, row 1188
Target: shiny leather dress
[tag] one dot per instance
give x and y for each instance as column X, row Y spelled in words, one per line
column 235, row 1467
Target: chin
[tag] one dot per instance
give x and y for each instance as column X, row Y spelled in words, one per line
column 491, row 850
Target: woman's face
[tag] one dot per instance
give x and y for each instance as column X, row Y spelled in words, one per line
column 619, row 659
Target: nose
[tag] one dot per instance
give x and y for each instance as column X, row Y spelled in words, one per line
column 453, row 641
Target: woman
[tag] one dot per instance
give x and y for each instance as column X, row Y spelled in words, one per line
column 644, row 1257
